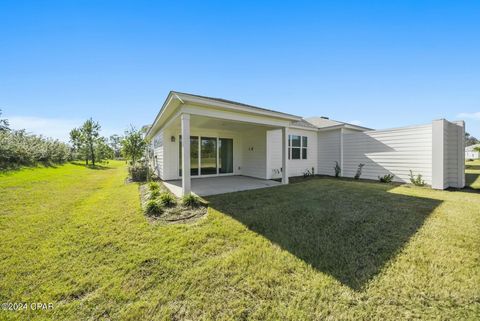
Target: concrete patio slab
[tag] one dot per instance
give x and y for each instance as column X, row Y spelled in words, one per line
column 219, row 185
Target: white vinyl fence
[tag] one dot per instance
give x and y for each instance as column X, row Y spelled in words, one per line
column 436, row 151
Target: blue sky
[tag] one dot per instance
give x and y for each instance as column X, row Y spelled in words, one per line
column 377, row 63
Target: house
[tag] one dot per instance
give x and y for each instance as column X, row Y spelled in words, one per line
column 472, row 152
column 195, row 137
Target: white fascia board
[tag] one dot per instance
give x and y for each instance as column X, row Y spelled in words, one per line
column 234, row 107
column 168, row 108
column 234, row 116
column 304, row 128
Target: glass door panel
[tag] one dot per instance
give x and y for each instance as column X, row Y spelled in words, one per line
column 193, row 156
column 225, row 152
column 208, row 162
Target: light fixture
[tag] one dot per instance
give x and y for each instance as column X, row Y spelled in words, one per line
column 172, row 139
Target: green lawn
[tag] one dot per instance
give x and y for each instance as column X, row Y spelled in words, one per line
column 472, row 176
column 319, row 249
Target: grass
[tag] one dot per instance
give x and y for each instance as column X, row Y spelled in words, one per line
column 319, row 249
column 472, row 176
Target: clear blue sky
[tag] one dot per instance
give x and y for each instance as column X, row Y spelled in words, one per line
column 379, row 63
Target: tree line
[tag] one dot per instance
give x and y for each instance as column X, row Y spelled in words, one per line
column 20, row 148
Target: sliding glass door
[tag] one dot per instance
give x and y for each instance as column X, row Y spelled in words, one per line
column 193, row 156
column 208, row 156
column 208, row 160
column 225, row 155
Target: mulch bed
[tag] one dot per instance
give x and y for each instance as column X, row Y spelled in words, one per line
column 172, row 214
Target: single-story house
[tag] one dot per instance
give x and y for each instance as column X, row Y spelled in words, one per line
column 472, row 152
column 195, row 137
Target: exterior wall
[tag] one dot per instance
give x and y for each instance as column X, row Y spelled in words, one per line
column 454, row 157
column 172, row 150
column 395, row 151
column 274, row 154
column 158, row 153
column 329, row 151
column 296, row 167
column 254, row 151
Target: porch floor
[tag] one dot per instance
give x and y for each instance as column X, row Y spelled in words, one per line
column 218, row 185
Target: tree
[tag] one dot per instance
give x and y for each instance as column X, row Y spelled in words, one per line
column 470, row 140
column 77, row 144
column 133, row 145
column 4, row 125
column 115, row 143
column 90, row 134
column 103, row 150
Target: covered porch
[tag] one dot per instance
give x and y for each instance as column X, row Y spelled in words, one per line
column 220, row 185
column 199, row 138
column 220, row 155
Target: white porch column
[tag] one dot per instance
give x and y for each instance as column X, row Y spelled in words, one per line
column 284, row 155
column 438, row 154
column 186, row 184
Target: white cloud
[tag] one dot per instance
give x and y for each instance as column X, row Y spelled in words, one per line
column 355, row 122
column 475, row 115
column 48, row 127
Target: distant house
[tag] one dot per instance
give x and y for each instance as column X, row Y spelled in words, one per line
column 471, row 153
column 203, row 137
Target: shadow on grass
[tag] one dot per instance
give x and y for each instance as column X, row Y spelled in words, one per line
column 473, row 167
column 472, row 182
column 96, row 166
column 349, row 230
column 12, row 168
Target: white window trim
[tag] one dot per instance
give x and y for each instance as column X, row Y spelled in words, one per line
column 301, row 147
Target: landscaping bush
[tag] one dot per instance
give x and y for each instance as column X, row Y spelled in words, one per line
column 154, row 194
column 167, row 199
column 18, row 148
column 337, row 169
column 190, row 200
column 386, row 178
column 138, row 172
column 154, row 186
column 417, row 180
column 359, row 171
column 153, row 208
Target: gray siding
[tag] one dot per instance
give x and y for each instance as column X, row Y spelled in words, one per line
column 328, row 151
column 454, row 160
column 158, row 152
column 254, row 149
column 395, row 151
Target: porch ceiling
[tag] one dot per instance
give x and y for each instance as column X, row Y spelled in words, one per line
column 218, row 124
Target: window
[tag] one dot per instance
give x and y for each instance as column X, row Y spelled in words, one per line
column 157, row 141
column 297, row 147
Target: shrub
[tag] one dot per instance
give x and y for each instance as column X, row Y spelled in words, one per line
column 337, row 169
column 308, row 173
column 18, row 148
column 138, row 172
column 153, row 208
column 154, row 186
column 386, row 178
column 154, row 194
column 190, row 200
column 167, row 199
column 417, row 180
column 359, row 171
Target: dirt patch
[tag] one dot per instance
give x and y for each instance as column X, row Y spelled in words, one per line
column 172, row 214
